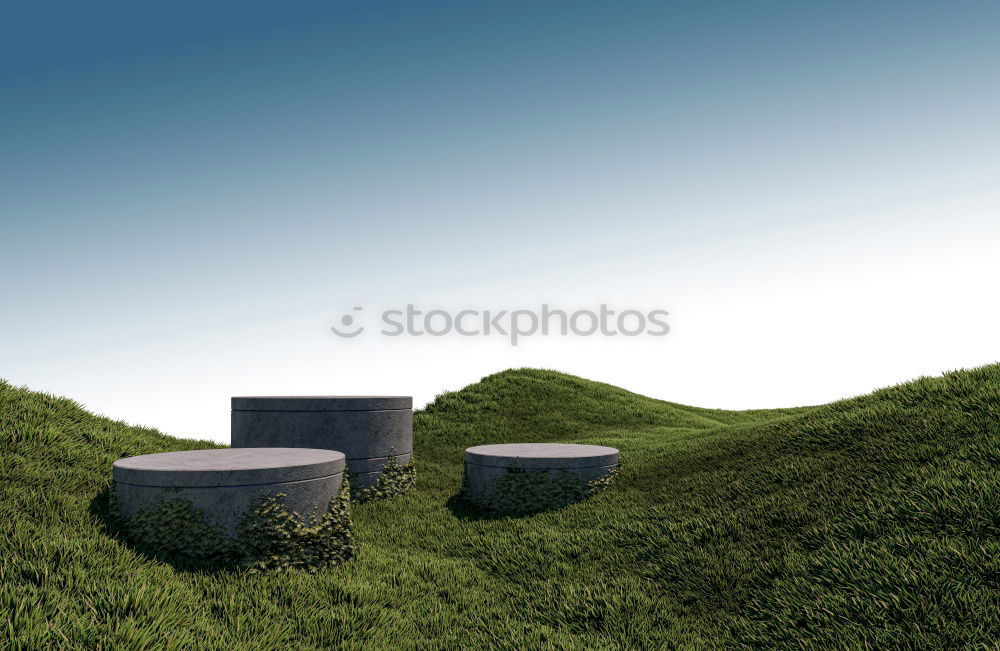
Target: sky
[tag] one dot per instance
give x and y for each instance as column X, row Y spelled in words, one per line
column 192, row 194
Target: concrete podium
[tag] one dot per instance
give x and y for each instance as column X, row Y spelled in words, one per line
column 369, row 430
column 225, row 484
column 486, row 464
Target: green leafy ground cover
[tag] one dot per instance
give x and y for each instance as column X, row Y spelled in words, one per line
column 267, row 537
column 870, row 522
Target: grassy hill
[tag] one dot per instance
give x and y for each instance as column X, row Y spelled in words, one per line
column 870, row 522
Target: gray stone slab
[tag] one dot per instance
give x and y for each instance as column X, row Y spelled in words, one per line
column 366, row 479
column 485, row 464
column 375, row 465
column 542, row 455
column 358, row 434
column 228, row 467
column 367, row 437
column 227, row 484
column 321, row 403
column 226, row 506
column 482, row 478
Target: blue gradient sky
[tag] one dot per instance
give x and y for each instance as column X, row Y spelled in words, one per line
column 190, row 195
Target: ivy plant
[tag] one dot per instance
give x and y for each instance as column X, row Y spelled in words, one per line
column 267, row 537
column 394, row 480
column 520, row 492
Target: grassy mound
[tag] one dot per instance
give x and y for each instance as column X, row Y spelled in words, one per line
column 871, row 522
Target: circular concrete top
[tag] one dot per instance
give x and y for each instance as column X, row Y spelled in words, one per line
column 228, row 467
column 542, row 455
column 321, row 403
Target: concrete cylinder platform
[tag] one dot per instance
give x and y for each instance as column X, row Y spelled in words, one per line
column 367, row 429
column 226, row 484
column 484, row 464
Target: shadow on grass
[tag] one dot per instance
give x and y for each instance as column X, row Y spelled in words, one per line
column 101, row 506
column 469, row 512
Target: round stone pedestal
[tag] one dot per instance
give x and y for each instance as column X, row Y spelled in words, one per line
column 489, row 470
column 369, row 430
column 227, row 484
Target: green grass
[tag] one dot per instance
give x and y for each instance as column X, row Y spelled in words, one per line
column 870, row 522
